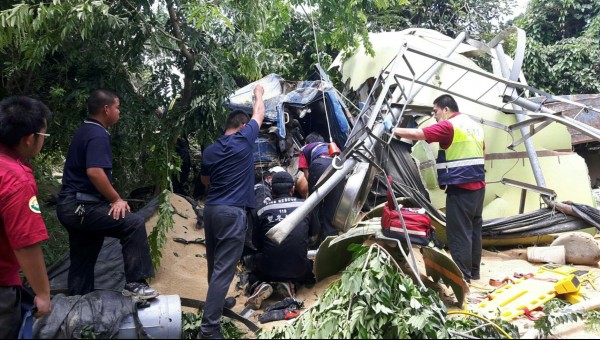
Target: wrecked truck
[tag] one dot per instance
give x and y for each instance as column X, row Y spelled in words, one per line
column 537, row 187
column 293, row 109
column 529, row 154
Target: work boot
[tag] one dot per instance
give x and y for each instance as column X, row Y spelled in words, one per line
column 215, row 335
column 140, row 290
column 229, row 302
column 286, row 289
column 261, row 293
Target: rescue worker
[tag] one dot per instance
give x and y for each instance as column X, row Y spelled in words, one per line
column 90, row 208
column 283, row 265
column 228, row 167
column 23, row 123
column 262, row 195
column 460, row 168
column 314, row 161
column 262, row 190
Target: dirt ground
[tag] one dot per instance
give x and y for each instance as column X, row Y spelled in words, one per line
column 183, row 272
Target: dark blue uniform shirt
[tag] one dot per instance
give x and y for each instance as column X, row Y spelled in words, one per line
column 90, row 148
column 229, row 162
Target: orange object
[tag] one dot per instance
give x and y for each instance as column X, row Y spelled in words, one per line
column 333, row 149
column 291, row 314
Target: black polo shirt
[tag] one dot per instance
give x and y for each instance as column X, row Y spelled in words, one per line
column 90, row 148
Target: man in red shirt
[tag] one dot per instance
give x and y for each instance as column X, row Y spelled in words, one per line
column 23, row 123
column 314, row 161
column 460, row 168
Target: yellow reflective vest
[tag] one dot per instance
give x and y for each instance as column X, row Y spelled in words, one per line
column 463, row 161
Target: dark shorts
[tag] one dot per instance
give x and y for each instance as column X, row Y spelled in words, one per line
column 10, row 311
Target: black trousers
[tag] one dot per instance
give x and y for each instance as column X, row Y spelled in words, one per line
column 10, row 311
column 463, row 227
column 86, row 236
column 257, row 275
column 225, row 232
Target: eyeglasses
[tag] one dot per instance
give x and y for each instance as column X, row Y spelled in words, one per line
column 43, row 134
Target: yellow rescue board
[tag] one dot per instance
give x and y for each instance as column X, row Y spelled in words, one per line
column 530, row 292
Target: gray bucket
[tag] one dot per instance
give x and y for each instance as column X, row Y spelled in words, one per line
column 162, row 320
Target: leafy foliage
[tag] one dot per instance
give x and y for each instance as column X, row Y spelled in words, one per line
column 592, row 322
column 555, row 315
column 481, row 329
column 557, row 312
column 191, row 326
column 568, row 66
column 99, row 44
column 89, row 332
column 58, row 242
column 349, row 17
column 550, row 21
column 480, row 18
column 38, row 29
column 164, row 165
column 158, row 237
column 563, row 50
column 373, row 299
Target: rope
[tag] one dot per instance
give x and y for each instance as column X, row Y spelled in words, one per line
column 320, row 76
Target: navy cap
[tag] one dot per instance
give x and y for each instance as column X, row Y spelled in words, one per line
column 282, row 178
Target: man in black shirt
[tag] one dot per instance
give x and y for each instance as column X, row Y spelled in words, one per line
column 90, row 208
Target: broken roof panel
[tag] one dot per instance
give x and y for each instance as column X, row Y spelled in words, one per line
column 578, row 113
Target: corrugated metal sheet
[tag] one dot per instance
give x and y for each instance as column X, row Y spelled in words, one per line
column 588, row 117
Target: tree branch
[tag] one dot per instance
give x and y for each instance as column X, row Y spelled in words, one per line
column 189, row 65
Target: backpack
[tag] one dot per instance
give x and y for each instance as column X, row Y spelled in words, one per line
column 418, row 223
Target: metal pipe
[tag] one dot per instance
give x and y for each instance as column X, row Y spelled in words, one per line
column 433, row 69
column 395, row 69
column 539, row 111
column 517, row 101
column 529, row 147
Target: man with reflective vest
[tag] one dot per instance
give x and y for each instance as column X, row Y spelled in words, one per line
column 460, row 168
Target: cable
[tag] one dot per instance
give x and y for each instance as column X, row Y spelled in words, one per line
column 320, row 75
column 262, row 171
column 346, row 98
column 453, row 312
